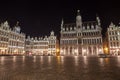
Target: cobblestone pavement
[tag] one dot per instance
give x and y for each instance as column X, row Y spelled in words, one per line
column 59, row 68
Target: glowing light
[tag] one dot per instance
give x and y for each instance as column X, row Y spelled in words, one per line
column 106, row 49
column 84, row 50
column 58, row 50
column 100, row 50
column 3, row 50
column 23, row 52
column 30, row 53
column 75, row 50
column 15, row 50
column 61, row 51
column 117, row 50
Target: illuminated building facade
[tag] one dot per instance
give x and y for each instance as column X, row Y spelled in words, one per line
column 4, row 38
column 81, row 38
column 41, row 46
column 113, row 33
column 11, row 40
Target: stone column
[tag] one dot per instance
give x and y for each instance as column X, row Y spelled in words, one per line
column 82, row 51
column 92, row 49
column 87, row 51
column 97, row 49
column 68, row 50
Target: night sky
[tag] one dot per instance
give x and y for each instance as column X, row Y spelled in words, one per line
column 38, row 18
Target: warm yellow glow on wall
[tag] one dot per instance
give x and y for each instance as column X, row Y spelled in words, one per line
column 76, row 51
column 106, row 50
column 58, row 50
column 23, row 52
column 15, row 50
column 84, row 50
column 3, row 50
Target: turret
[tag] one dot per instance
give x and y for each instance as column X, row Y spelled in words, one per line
column 52, row 33
column 5, row 25
column 17, row 27
column 28, row 37
column 78, row 20
column 111, row 24
column 62, row 22
column 98, row 20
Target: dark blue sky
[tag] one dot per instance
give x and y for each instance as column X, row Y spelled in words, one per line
column 38, row 18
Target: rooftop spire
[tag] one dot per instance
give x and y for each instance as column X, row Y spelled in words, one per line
column 78, row 12
column 98, row 19
column 17, row 23
column 111, row 24
column 17, row 27
column 78, row 19
column 6, row 24
column 62, row 22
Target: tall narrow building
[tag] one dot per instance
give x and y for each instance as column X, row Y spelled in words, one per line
column 81, row 38
column 113, row 36
column 12, row 41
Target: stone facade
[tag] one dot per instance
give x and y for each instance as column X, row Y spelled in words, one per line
column 81, row 38
column 42, row 45
column 12, row 41
column 113, row 34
